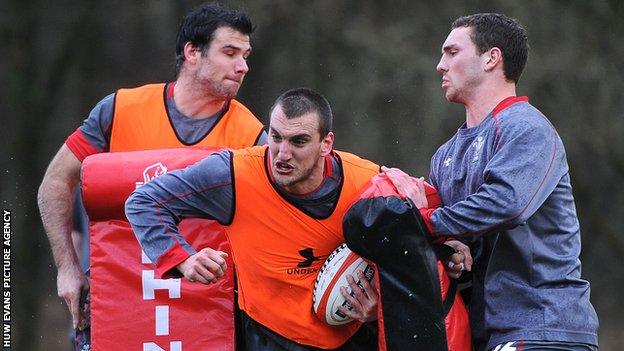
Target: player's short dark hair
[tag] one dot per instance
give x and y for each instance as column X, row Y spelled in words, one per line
column 199, row 25
column 497, row 30
column 299, row 101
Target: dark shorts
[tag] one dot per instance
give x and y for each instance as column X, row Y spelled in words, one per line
column 532, row 345
column 253, row 336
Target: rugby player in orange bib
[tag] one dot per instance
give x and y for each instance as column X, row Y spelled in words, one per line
column 282, row 207
column 196, row 110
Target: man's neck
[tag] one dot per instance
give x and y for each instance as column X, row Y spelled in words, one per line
column 311, row 184
column 192, row 102
column 484, row 101
column 314, row 182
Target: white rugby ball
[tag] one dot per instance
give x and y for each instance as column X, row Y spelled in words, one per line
column 331, row 277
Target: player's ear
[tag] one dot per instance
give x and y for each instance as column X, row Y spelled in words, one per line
column 191, row 52
column 492, row 58
column 327, row 144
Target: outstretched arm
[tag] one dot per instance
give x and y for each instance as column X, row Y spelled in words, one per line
column 511, row 191
column 414, row 189
column 203, row 190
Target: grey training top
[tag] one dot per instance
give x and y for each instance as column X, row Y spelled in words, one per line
column 505, row 184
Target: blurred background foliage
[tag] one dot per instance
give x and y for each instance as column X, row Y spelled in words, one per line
column 374, row 60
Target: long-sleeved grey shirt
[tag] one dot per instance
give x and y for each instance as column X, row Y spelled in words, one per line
column 505, row 184
column 206, row 190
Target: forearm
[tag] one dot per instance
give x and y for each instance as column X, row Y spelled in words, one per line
column 155, row 227
column 484, row 211
column 55, row 206
column 55, row 200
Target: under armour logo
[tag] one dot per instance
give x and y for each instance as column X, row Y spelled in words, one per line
column 309, row 257
column 447, row 162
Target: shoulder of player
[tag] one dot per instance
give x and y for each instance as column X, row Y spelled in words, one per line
column 347, row 158
column 523, row 121
column 522, row 115
column 240, row 109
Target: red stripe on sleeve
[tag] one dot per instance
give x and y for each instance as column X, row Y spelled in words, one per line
column 170, row 259
column 80, row 146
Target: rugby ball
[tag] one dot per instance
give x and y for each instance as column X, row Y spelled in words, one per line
column 331, row 277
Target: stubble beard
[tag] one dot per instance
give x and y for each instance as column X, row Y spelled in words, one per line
column 286, row 181
column 289, row 181
column 219, row 90
column 463, row 94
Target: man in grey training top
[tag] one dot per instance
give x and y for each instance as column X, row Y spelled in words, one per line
column 504, row 182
